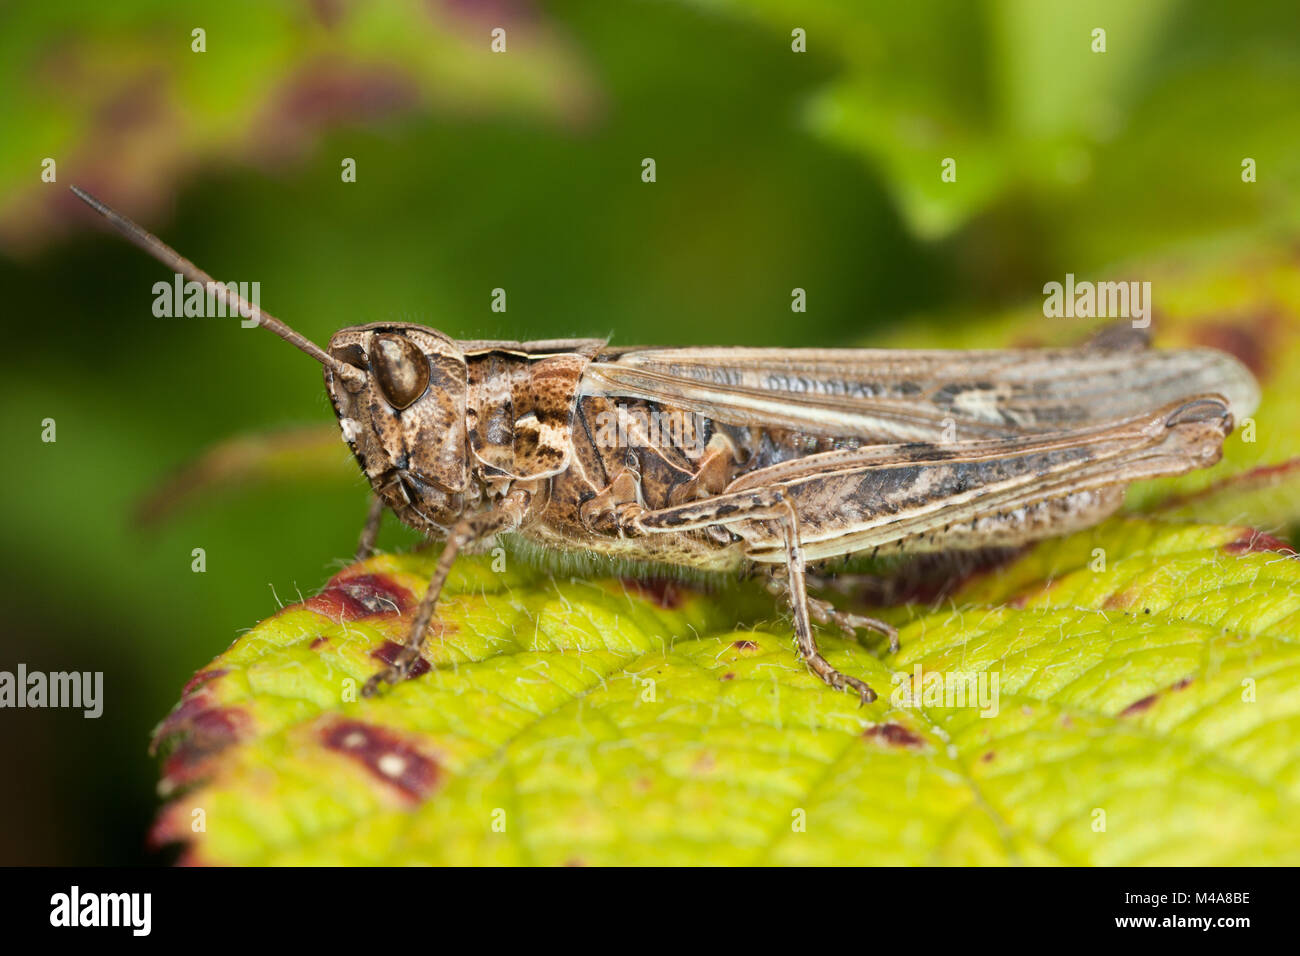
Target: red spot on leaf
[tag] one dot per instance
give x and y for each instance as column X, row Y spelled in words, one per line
column 894, row 735
column 988, row 757
column 201, row 729
column 197, row 730
column 745, row 645
column 1250, row 339
column 730, row 675
column 1138, row 706
column 1179, row 685
column 173, row 826
column 667, row 594
column 1252, row 541
column 385, row 755
column 1265, row 476
column 1119, row 599
column 1281, row 469
column 387, row 652
column 201, row 678
column 359, row 596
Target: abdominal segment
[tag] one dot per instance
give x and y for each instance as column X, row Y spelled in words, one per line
column 1019, row 525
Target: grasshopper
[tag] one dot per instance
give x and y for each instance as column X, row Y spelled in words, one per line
column 750, row 459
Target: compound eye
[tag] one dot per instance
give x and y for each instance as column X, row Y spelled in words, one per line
column 400, row 368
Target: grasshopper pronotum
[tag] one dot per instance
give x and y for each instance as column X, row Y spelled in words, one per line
column 723, row 459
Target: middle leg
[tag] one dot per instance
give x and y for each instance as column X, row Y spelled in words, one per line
column 827, row 614
column 758, row 505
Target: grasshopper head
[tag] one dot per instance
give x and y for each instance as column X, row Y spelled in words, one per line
column 398, row 389
column 405, row 419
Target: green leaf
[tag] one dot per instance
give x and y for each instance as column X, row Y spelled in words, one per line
column 1146, row 711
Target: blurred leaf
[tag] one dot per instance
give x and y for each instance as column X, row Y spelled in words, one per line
column 291, row 454
column 1013, row 91
column 1268, row 494
column 116, row 95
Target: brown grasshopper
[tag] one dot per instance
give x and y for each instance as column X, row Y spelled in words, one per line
column 730, row 459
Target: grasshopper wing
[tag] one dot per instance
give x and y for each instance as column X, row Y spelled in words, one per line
column 886, row 396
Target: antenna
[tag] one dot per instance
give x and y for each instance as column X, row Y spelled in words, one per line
column 178, row 263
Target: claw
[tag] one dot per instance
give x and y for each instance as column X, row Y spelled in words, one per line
column 865, row 694
column 825, row 613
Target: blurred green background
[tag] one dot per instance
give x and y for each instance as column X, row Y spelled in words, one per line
column 519, row 170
